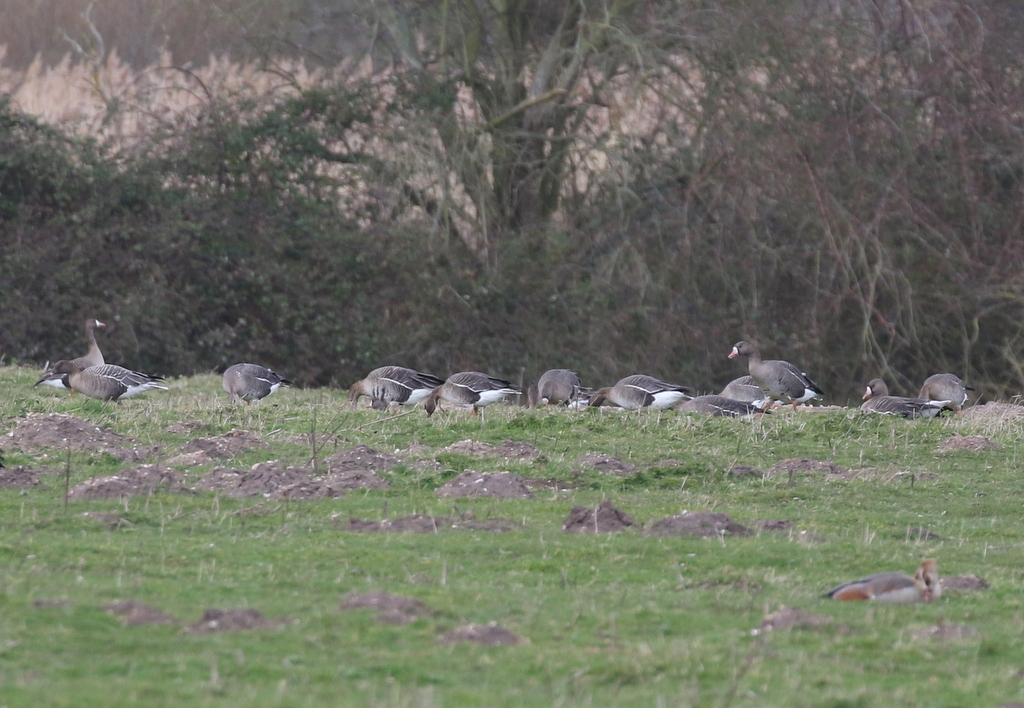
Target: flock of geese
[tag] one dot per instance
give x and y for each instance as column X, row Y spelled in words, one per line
column 768, row 383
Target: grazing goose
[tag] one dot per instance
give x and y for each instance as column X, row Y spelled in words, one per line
column 943, row 387
column 470, row 389
column 778, row 379
column 745, row 389
column 107, row 382
column 94, row 357
column 894, row 586
column 251, row 382
column 555, row 387
column 878, row 400
column 393, row 384
column 641, row 391
column 720, row 405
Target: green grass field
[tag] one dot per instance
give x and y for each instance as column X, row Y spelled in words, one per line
column 610, row 619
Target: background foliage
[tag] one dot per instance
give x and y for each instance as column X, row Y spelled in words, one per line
column 616, row 188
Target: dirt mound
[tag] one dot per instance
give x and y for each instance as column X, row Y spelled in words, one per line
column 745, row 470
column 796, row 465
column 271, row 480
column 970, row 443
column 421, row 523
column 186, row 427
column 698, row 523
column 134, row 613
column 361, row 458
column 773, row 525
column 964, row 582
column 509, row 449
column 604, row 519
column 393, row 609
column 789, row 617
column 491, row 635
column 215, row 620
column 947, row 632
column 20, row 477
column 131, row 482
column 190, row 459
column 55, row 432
column 226, row 446
column 355, row 479
column 501, row 485
column 606, row 463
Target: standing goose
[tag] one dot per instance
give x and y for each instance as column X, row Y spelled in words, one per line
column 894, row 586
column 393, row 384
column 251, row 382
column 878, row 400
column 470, row 389
column 946, row 387
column 555, row 387
column 94, row 357
column 720, row 405
column 107, row 382
column 778, row 379
column 641, row 391
column 745, row 389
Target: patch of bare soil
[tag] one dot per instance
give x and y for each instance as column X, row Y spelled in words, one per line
column 270, row 480
column 606, row 463
column 392, row 609
column 189, row 459
column 491, row 634
column 361, row 458
column 796, row 465
column 355, row 479
column 226, row 446
column 422, row 523
column 111, row 521
column 604, row 519
column 134, row 613
column 994, row 410
column 745, row 471
column 500, row 485
column 773, row 525
column 698, row 523
column 54, row 433
column 131, row 482
column 186, row 427
column 790, row 617
column 215, row 620
column 19, row 477
column 969, row 443
column 509, row 449
column 965, row 582
column 947, row 632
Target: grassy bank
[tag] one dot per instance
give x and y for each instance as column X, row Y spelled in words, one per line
column 611, row 619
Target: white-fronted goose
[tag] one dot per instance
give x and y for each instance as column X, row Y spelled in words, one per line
column 641, row 391
column 107, row 382
column 894, row 586
column 946, row 387
column 398, row 385
column 720, row 405
column 251, row 382
column 778, row 379
column 878, row 400
column 470, row 389
column 746, row 389
column 555, row 387
column 94, row 357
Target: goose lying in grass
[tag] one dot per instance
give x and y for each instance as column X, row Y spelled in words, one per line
column 878, row 400
column 722, row 406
